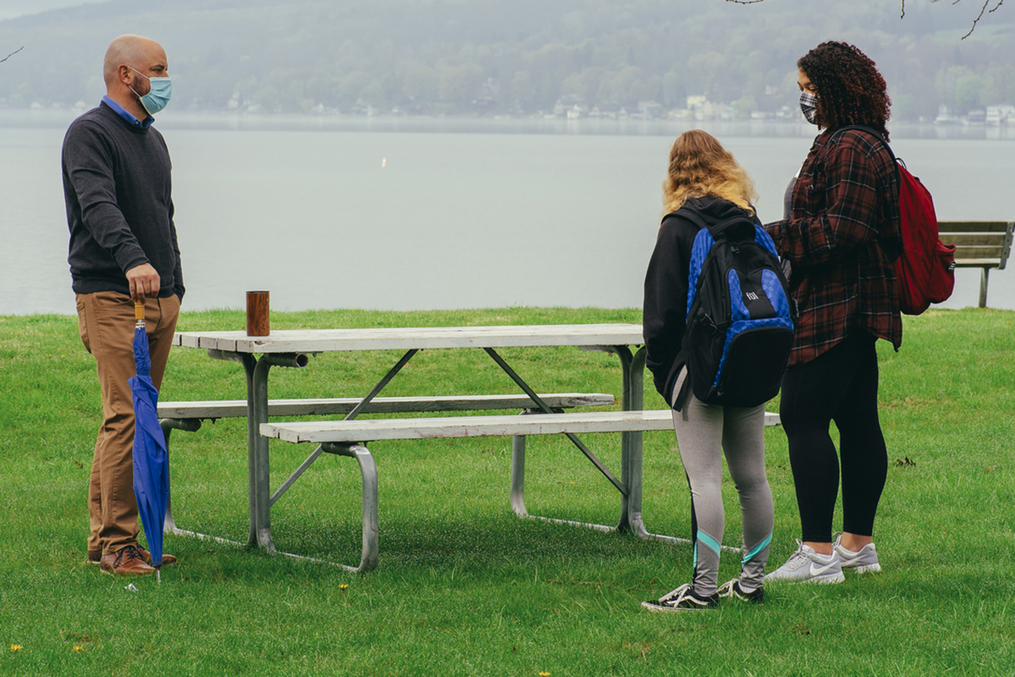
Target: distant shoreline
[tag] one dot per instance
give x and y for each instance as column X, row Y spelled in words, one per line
column 228, row 121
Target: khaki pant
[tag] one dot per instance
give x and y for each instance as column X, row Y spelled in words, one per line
column 106, row 324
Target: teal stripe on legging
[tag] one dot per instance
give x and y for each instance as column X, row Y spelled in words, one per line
column 709, row 541
column 761, row 546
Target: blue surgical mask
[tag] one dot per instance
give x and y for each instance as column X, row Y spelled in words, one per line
column 157, row 98
column 809, row 106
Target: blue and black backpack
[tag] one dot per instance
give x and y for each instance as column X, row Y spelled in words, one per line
column 740, row 316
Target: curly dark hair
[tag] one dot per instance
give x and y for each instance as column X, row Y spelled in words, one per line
column 850, row 89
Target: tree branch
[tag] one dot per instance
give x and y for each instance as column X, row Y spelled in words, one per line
column 983, row 10
column 980, row 15
column 12, row 54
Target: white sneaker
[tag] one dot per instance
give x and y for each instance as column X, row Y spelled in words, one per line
column 863, row 561
column 806, row 565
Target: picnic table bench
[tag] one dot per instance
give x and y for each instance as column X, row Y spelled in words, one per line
column 349, row 438
column 979, row 244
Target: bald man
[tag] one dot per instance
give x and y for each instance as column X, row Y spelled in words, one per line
column 123, row 247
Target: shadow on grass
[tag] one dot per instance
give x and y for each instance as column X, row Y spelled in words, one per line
column 444, row 543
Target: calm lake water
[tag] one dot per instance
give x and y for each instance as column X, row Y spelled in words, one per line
column 412, row 215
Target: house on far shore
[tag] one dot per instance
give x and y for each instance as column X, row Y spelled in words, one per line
column 649, row 110
column 1000, row 115
column 577, row 112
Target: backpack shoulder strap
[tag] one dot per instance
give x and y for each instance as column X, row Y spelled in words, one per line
column 722, row 228
column 691, row 215
column 873, row 132
column 898, row 175
column 870, row 130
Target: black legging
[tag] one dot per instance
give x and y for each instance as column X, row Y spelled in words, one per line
column 840, row 385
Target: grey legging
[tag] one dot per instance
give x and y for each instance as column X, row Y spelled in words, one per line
column 704, row 432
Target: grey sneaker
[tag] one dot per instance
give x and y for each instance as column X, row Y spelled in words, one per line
column 732, row 589
column 683, row 598
column 863, row 562
column 805, row 565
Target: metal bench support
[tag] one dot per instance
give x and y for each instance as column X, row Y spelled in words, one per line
column 984, row 274
column 368, row 470
column 168, row 424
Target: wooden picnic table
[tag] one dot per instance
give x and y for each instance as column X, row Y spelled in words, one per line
column 293, row 348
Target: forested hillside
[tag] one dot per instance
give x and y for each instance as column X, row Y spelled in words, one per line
column 507, row 56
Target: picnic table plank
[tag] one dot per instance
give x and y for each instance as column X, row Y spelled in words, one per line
column 359, row 430
column 417, row 338
column 382, row 405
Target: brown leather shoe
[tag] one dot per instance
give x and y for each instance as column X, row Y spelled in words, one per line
column 95, row 557
column 128, row 561
column 167, row 559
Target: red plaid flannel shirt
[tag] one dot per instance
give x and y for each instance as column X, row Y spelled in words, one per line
column 844, row 217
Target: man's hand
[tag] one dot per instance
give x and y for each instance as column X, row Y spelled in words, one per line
column 144, row 281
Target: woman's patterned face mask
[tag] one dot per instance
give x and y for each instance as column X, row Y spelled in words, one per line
column 809, row 106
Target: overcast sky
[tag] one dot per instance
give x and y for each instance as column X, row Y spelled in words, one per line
column 10, row 9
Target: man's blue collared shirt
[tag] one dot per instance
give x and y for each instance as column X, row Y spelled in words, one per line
column 127, row 115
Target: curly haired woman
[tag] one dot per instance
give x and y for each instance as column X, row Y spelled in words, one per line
column 705, row 179
column 840, row 236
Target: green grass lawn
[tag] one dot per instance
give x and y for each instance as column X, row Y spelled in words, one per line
column 463, row 586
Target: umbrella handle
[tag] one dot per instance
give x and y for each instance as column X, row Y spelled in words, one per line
column 139, row 310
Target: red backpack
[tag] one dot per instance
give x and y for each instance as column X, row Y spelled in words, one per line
column 926, row 267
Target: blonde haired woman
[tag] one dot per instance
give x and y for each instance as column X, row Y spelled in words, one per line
column 705, row 179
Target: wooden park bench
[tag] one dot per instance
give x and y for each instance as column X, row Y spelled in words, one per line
column 349, row 438
column 979, row 244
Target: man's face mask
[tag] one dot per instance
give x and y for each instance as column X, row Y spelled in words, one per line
column 158, row 96
column 809, row 106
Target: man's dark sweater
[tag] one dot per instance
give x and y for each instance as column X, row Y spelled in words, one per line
column 117, row 186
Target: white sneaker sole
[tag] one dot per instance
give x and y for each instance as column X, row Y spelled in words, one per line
column 867, row 569
column 836, row 577
column 656, row 608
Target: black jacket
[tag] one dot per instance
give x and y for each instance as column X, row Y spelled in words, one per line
column 665, row 310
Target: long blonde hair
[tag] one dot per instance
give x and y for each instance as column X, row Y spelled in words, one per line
column 699, row 167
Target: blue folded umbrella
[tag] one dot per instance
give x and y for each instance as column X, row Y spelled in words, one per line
column 151, row 458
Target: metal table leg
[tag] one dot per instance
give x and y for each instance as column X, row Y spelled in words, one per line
column 527, row 389
column 249, row 363
column 518, row 475
column 258, row 459
column 630, row 484
column 630, row 442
